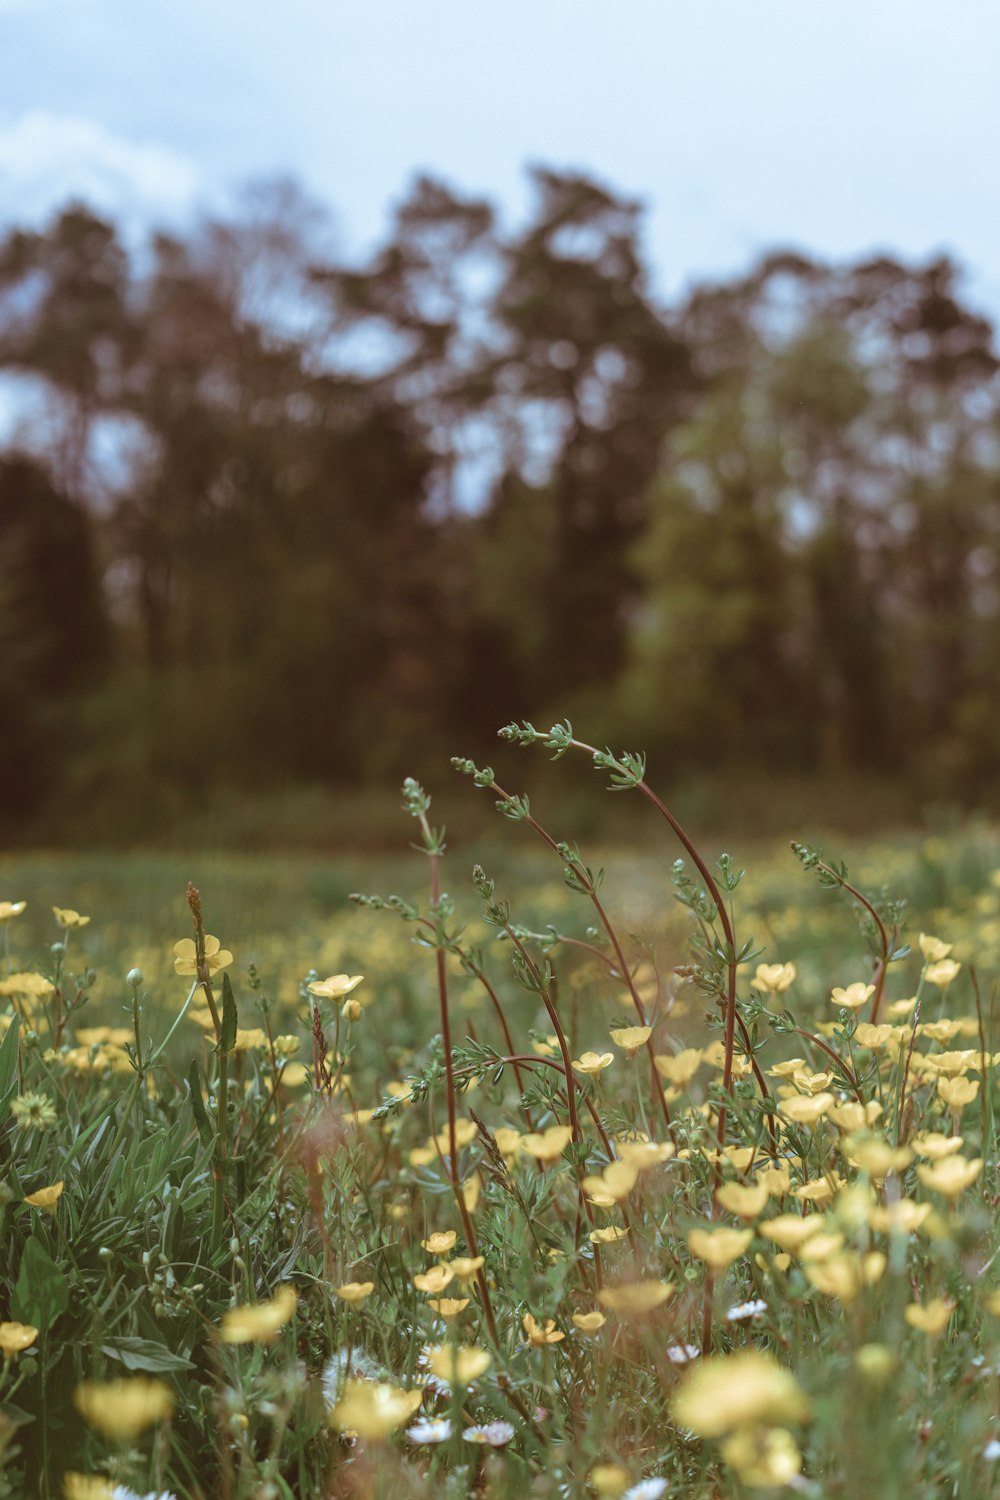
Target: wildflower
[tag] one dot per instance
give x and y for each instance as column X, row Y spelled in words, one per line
column 9, row 910
column 942, row 973
column 448, row 1307
column 726, row 1392
column 745, row 1202
column 843, row 1276
column 644, row 1154
column 775, row 978
column 465, row 1133
column 608, row 1236
column 806, row 1111
column 935, row 1145
column 336, row 987
column 763, row 1457
column 820, row 1190
column 646, row 1489
column 493, row 1434
column 719, row 1247
column 440, row 1243
column 633, row 1298
column 549, row 1144
column 186, row 956
column 682, row 1354
column 430, row 1430
column 124, row 1408
column 435, row 1280
column 874, row 1037
column 951, row 1175
column 875, row 1362
column 631, row 1038
column 790, row 1231
column 958, row 1092
column 615, row 1182
column 929, row 1317
column 46, row 1198
column 609, row 1479
column 593, row 1062
column 680, row 1068
column 373, row 1409
column 353, row 1292
column 293, row 1075
column 902, row 1216
column 776, row 1179
column 540, row 1334
column 458, row 1366
column 746, row 1310
column 932, row 948
column 853, row 997
column 67, row 917
column 466, row 1266
column 508, row 1141
column 16, row 1337
column 87, row 1487
column 589, row 1322
column 351, row 1010
column 285, row 1046
column 261, row 1322
column 34, row 986
column 34, row 1112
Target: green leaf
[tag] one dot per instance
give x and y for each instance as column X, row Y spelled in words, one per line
column 8, row 1064
column 227, row 1038
column 42, row 1291
column 143, row 1354
column 197, row 1105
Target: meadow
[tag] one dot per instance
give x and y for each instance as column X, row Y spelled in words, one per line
column 541, row 1171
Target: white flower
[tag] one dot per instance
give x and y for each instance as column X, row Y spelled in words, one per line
column 992, row 1450
column 646, row 1489
column 495, row 1434
column 746, row 1310
column 682, row 1354
column 121, row 1492
column 430, row 1430
column 335, row 1372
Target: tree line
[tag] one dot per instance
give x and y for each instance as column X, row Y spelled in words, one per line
column 268, row 517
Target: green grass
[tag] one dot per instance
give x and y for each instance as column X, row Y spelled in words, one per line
column 159, row 1231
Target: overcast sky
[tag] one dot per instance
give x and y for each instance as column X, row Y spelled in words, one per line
column 837, row 126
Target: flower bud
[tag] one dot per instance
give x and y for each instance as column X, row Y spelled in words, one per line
column 134, row 977
column 351, row 1010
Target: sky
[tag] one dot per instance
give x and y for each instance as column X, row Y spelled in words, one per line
column 838, row 127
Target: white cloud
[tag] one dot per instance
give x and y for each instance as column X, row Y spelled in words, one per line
column 47, row 158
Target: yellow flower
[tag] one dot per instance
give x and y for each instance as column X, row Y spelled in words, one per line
column 435, row 1280
column 540, row 1334
column 776, row 1179
column 763, row 1457
column 745, row 1201
column 11, row 909
column 855, row 1116
column 632, row 1299
column 15, row 1337
column 608, row 1236
column 644, row 1154
column 942, row 973
column 631, row 1038
column 67, row 917
column 775, row 978
column 465, row 1133
column 875, row 1362
column 448, row 1307
column 932, row 948
column 680, row 1067
column 458, row 1366
column 615, row 1182
column 508, row 1141
column 843, row 1276
column 466, row 1266
column 853, row 997
column 261, row 1322
column 951, row 1175
column 930, row 1317
column 373, row 1410
column 293, row 1075
column 804, row 1110
column 589, row 1322
column 790, row 1231
column 902, row 1216
column 440, row 1243
column 336, row 986
column 34, row 985
column 593, row 1062
column 548, row 1145
column 936, row 1145
column 719, row 1247
column 86, row 1487
column 186, row 956
column 958, row 1092
column 47, row 1197
column 727, row 1392
column 609, row 1479
column 124, row 1408
column 354, row 1291
column 992, row 1303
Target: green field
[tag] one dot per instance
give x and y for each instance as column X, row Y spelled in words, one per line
column 190, row 1195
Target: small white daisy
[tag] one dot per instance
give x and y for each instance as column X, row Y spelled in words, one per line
column 992, row 1450
column 646, row 1489
column 430, row 1430
column 746, row 1310
column 494, row 1434
column 682, row 1354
